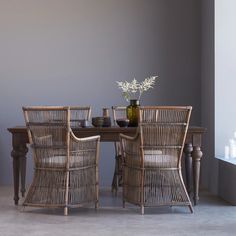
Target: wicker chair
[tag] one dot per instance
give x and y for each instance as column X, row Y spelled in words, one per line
column 152, row 159
column 65, row 167
column 118, row 112
column 79, row 114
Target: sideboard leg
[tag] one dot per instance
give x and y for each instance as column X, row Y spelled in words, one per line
column 196, row 155
column 23, row 152
column 15, row 157
column 188, row 148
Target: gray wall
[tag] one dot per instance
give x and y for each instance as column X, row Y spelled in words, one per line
column 71, row 52
column 209, row 164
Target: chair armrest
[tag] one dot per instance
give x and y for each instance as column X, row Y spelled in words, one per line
column 130, row 149
column 84, row 151
column 90, row 138
column 130, row 138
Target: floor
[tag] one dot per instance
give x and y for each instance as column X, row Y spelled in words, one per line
column 211, row 217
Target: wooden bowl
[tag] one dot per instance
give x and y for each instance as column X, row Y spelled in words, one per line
column 101, row 121
column 97, row 121
column 122, row 122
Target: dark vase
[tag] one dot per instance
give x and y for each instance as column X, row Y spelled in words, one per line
column 132, row 113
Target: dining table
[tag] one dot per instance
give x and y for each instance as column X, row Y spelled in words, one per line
column 192, row 153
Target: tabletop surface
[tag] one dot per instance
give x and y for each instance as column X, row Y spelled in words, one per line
column 18, row 129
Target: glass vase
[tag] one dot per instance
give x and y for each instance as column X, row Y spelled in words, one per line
column 132, row 113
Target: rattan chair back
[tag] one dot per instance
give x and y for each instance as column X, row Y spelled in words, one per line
column 79, row 114
column 118, row 112
column 163, row 130
column 48, row 131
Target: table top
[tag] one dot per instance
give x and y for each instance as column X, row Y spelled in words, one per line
column 112, row 129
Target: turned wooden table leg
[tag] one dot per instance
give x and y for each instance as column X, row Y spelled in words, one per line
column 196, row 155
column 15, row 156
column 23, row 151
column 188, row 148
column 19, row 169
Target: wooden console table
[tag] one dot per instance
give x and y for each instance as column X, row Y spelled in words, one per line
column 192, row 151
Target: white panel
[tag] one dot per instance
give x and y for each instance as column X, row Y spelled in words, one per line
column 225, row 73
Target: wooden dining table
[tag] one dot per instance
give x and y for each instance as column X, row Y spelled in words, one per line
column 192, row 152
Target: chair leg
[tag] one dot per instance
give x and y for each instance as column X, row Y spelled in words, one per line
column 96, row 205
column 142, row 210
column 114, row 186
column 123, row 204
column 115, row 180
column 65, row 211
column 190, row 208
column 22, row 209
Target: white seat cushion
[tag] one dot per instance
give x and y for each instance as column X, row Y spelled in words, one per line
column 155, row 158
column 61, row 160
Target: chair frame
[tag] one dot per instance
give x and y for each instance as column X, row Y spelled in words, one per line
column 143, row 171
column 66, row 169
column 117, row 176
column 85, row 109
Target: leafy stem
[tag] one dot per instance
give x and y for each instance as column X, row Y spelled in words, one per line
column 130, row 89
